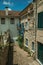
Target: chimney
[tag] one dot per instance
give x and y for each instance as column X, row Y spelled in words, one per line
column 6, row 10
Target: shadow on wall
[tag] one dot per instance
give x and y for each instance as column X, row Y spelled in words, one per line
column 11, row 41
column 10, row 56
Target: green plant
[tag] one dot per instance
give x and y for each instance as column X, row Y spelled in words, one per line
column 20, row 41
column 27, row 50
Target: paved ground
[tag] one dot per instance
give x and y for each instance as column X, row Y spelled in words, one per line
column 20, row 57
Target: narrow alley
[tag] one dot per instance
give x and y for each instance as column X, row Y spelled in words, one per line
column 20, row 57
column 21, row 32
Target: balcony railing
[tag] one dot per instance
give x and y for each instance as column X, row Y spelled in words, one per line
column 19, row 26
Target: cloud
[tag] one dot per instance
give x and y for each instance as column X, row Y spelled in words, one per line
column 7, row 3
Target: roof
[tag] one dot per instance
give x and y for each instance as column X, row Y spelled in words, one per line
column 16, row 13
column 10, row 13
column 26, row 9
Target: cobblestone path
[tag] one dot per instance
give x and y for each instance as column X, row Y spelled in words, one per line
column 20, row 57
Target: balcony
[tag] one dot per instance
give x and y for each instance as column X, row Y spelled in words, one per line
column 19, row 26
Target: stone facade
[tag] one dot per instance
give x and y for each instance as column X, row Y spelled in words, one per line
column 38, row 8
column 8, row 24
column 40, row 31
column 27, row 17
column 32, row 34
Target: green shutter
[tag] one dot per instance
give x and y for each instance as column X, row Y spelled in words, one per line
column 40, row 52
column 40, row 20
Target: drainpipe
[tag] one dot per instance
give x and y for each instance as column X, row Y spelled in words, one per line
column 35, row 10
column 35, row 29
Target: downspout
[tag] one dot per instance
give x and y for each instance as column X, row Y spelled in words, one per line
column 35, row 29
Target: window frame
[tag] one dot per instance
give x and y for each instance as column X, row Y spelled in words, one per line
column 33, row 46
column 39, row 26
column 2, row 20
column 26, row 42
column 26, row 23
column 12, row 21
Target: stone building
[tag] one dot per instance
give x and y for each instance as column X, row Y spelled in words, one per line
column 31, row 22
column 9, row 21
column 27, row 18
column 32, row 19
column 38, row 13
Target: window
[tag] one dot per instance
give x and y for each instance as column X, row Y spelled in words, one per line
column 26, row 24
column 12, row 20
column 40, row 20
column 22, row 25
column 22, row 28
column 32, row 45
column 26, row 42
column 2, row 20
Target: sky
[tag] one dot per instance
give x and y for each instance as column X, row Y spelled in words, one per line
column 17, row 5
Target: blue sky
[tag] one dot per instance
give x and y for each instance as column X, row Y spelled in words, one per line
column 14, row 4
